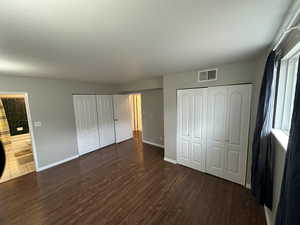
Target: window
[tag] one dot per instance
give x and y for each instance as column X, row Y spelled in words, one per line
column 286, row 92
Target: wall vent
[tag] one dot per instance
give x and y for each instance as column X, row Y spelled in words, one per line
column 207, row 75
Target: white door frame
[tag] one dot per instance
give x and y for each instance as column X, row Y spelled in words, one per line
column 30, row 124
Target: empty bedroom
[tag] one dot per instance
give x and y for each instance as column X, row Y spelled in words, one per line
column 147, row 112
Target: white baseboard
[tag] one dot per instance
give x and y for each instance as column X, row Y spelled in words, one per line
column 266, row 215
column 170, row 160
column 154, row 144
column 56, row 163
column 124, row 139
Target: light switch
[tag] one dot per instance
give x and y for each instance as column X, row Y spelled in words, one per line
column 37, row 123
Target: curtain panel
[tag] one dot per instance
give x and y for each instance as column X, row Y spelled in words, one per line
column 262, row 152
column 288, row 208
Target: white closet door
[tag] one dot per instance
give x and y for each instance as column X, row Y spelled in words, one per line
column 86, row 123
column 228, row 126
column 122, row 118
column 216, row 130
column 191, row 135
column 105, row 120
column 238, row 116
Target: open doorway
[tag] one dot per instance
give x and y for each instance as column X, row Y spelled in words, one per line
column 136, row 114
column 15, row 136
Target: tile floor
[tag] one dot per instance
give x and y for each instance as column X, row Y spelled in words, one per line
column 19, row 157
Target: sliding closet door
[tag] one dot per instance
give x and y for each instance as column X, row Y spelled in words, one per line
column 216, row 130
column 122, row 118
column 238, row 116
column 191, row 135
column 227, row 136
column 105, row 120
column 86, row 123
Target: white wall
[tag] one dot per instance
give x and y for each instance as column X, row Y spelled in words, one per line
column 141, row 85
column 279, row 159
column 153, row 116
column 51, row 103
column 152, row 107
column 234, row 73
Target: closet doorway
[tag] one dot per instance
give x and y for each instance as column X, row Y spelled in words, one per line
column 136, row 114
column 213, row 128
column 16, row 136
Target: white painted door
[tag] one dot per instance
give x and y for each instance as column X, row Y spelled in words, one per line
column 216, row 130
column 122, row 118
column 238, row 117
column 191, row 135
column 86, row 123
column 228, row 127
column 105, row 120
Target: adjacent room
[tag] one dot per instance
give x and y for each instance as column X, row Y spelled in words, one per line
column 147, row 112
column 15, row 136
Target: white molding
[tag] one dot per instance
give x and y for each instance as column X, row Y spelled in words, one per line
column 248, row 186
column 31, row 130
column 154, row 144
column 266, row 216
column 123, row 139
column 29, row 121
column 170, row 160
column 281, row 137
column 56, row 163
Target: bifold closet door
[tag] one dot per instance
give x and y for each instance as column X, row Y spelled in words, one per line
column 86, row 123
column 191, row 134
column 227, row 131
column 122, row 118
column 105, row 120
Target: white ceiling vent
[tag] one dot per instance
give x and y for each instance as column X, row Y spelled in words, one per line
column 207, row 75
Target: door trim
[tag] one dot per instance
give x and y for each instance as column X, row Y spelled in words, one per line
column 30, row 124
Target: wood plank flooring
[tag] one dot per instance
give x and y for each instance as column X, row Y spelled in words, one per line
column 128, row 184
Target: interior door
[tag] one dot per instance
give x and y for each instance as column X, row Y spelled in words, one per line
column 238, row 116
column 86, row 123
column 216, row 130
column 191, row 135
column 122, row 118
column 105, row 120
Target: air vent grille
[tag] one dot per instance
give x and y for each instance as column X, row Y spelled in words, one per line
column 207, row 75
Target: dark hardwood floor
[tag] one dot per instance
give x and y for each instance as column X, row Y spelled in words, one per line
column 127, row 183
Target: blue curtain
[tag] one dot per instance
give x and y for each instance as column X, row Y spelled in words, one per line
column 288, row 209
column 262, row 153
